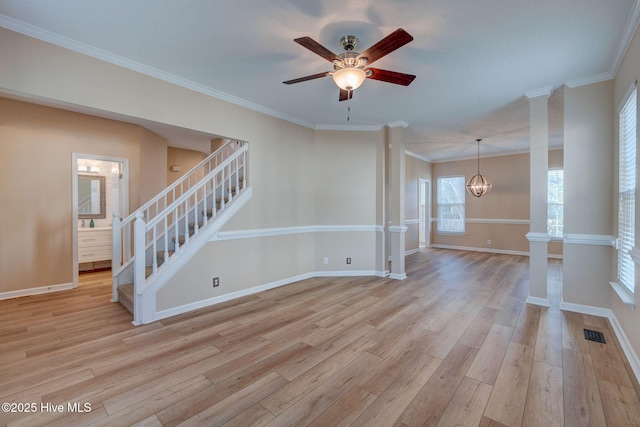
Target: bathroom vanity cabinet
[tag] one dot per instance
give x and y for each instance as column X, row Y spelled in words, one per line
column 94, row 248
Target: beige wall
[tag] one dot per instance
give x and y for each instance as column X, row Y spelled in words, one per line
column 508, row 200
column 629, row 319
column 339, row 194
column 183, row 158
column 345, row 195
column 588, row 180
column 36, row 145
column 283, row 198
column 345, row 177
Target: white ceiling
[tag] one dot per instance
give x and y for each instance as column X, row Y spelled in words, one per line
column 473, row 59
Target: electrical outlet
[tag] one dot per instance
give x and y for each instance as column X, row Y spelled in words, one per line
column 216, row 282
column 489, row 242
column 325, row 260
column 349, row 260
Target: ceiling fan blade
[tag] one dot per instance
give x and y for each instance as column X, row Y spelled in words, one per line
column 387, row 45
column 391, row 76
column 345, row 94
column 304, row 79
column 316, row 48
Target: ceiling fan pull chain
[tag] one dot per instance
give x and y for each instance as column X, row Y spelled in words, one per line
column 348, row 106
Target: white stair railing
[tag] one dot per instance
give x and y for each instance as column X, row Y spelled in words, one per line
column 160, row 224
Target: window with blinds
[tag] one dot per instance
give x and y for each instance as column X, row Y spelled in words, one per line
column 555, row 202
column 627, row 191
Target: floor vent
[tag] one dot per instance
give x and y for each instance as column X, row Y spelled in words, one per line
column 594, row 336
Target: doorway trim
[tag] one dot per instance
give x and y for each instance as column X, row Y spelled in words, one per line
column 124, row 208
column 424, row 197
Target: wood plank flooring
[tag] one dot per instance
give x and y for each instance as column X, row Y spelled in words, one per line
column 453, row 345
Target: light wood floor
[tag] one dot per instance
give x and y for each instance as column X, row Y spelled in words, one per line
column 454, row 344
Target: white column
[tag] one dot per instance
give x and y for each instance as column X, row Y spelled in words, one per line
column 382, row 261
column 397, row 229
column 538, row 235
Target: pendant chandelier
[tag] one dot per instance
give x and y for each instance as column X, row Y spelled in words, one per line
column 478, row 185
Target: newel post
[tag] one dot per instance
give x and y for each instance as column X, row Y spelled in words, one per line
column 116, row 255
column 139, row 231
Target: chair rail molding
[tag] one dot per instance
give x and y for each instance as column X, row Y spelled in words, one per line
column 398, row 228
column 538, row 237
column 590, row 239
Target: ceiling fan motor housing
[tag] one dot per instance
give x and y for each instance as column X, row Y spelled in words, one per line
column 349, row 59
column 349, row 42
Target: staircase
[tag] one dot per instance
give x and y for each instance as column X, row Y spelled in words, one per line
column 152, row 244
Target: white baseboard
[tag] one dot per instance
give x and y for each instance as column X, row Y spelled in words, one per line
column 174, row 311
column 397, row 276
column 35, row 291
column 346, row 273
column 631, row 355
column 543, row 302
column 586, row 309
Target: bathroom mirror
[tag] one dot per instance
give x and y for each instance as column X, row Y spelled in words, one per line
column 91, row 197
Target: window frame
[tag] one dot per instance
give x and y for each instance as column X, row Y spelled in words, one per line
column 627, row 175
column 439, row 204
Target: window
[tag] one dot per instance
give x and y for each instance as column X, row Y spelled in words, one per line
column 555, row 200
column 626, row 191
column 451, row 194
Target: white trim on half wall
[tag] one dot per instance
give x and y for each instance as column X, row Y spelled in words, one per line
column 36, row 291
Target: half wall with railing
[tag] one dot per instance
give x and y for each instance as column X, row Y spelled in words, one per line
column 155, row 241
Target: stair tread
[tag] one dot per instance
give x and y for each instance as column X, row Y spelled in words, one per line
column 125, row 296
column 126, row 290
column 161, row 253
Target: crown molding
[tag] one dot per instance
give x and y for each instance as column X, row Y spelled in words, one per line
column 82, row 48
column 398, row 124
column 365, row 128
column 629, row 31
column 589, row 80
column 542, row 91
column 417, row 156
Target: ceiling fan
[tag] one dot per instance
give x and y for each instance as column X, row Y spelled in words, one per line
column 349, row 67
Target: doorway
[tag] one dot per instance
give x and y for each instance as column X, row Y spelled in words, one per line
column 100, row 189
column 424, row 213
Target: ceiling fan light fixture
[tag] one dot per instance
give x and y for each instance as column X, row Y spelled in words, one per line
column 349, row 78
